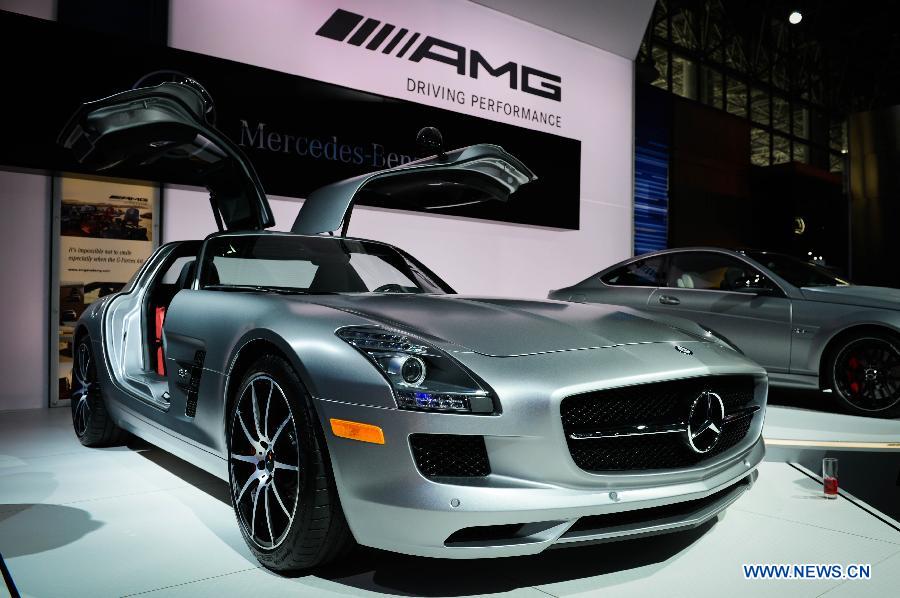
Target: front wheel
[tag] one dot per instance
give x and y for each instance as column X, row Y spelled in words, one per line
column 92, row 422
column 865, row 375
column 282, row 488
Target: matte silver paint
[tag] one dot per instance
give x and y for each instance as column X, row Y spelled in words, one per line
column 531, row 353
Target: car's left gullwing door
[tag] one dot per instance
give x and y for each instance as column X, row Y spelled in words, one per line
column 164, row 132
column 464, row 176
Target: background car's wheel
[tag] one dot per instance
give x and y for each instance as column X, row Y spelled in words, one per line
column 282, row 488
column 865, row 375
column 91, row 420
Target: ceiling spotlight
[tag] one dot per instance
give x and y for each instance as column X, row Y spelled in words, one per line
column 795, row 17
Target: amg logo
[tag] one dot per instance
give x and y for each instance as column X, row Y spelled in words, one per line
column 342, row 23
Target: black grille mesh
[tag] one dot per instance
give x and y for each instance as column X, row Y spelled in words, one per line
column 450, row 455
column 656, row 403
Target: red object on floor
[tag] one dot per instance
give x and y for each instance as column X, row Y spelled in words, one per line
column 157, row 340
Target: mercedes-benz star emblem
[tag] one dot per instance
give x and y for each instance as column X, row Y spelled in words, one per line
column 684, row 350
column 705, row 422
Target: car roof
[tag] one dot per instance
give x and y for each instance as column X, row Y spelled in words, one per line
column 260, row 233
column 741, row 254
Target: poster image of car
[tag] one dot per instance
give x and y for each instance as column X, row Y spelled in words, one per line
column 71, row 303
column 74, row 298
column 105, row 236
column 106, row 229
column 101, row 209
column 105, row 221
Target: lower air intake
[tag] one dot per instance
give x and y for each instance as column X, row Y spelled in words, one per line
column 450, row 455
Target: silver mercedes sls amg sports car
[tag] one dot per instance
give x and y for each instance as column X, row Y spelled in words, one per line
column 808, row 327
column 348, row 395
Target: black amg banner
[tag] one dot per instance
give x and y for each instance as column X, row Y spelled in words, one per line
column 299, row 133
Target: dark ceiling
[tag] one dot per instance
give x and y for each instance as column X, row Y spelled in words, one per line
column 858, row 41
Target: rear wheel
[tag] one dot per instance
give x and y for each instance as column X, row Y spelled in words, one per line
column 865, row 375
column 282, row 488
column 92, row 423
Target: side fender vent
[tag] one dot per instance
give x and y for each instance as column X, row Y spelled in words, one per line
column 193, row 386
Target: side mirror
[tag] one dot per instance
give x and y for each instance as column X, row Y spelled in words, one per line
column 757, row 290
column 751, row 283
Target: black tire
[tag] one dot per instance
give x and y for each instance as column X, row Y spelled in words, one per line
column 290, row 518
column 90, row 419
column 864, row 375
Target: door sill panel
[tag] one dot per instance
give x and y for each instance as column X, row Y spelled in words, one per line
column 133, row 422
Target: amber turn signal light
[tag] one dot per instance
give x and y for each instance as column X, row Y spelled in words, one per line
column 357, row 431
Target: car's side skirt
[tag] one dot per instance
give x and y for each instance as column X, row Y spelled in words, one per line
column 798, row 381
column 167, row 441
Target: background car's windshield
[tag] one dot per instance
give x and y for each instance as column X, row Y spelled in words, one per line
column 796, row 271
column 314, row 265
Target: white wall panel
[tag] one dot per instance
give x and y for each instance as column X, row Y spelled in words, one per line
column 475, row 256
column 24, row 264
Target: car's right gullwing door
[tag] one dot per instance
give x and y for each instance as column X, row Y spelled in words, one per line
column 465, row 176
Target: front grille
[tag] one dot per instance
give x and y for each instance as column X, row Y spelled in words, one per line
column 450, row 455
column 659, row 403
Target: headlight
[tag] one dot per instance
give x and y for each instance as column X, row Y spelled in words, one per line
column 422, row 377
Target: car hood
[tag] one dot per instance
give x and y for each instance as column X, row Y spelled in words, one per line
column 508, row 327
column 880, row 297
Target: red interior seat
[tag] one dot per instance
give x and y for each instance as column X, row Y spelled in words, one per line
column 160, row 318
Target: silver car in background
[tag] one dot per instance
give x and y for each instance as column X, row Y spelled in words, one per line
column 346, row 393
column 808, row 327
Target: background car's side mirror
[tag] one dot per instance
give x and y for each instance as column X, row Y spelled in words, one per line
column 757, row 290
column 748, row 282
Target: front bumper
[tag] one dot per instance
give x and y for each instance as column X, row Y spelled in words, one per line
column 535, row 488
column 391, row 506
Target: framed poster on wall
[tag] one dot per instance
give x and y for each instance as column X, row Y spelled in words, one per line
column 103, row 232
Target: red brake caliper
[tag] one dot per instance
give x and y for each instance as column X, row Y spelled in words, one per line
column 853, row 364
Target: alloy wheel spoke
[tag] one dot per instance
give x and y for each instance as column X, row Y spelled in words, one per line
column 280, row 465
column 253, row 477
column 79, row 417
column 253, row 510
column 253, row 442
column 83, row 413
column 245, row 458
column 82, row 369
column 255, row 405
column 268, row 515
column 280, row 429
column 281, row 504
column 268, row 404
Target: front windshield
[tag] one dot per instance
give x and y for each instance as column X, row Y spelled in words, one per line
column 303, row 264
column 796, row 271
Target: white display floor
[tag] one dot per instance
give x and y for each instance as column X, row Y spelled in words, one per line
column 127, row 521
